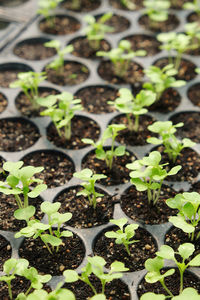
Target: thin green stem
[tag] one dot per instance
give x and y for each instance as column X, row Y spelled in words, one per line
column 25, row 200
column 10, row 290
column 19, row 202
column 164, row 286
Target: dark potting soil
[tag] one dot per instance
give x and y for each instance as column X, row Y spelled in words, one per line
column 17, row 134
column 168, row 102
column 72, row 73
column 132, row 75
column 24, row 105
column 69, row 256
column 8, row 206
column 144, row 42
column 117, row 4
column 194, row 94
column 169, row 25
column 82, row 47
column 33, row 50
column 195, row 187
column 135, row 206
column 81, row 127
column 95, row 98
column 5, row 251
column 172, row 282
column 118, row 23
column 3, row 102
column 58, row 168
column 193, row 17
column 178, row 4
column 85, row 5
column 84, row 215
column 8, row 76
column 144, row 248
column 114, row 290
column 191, row 127
column 4, row 24
column 61, row 25
column 119, row 174
column 133, row 138
column 186, row 70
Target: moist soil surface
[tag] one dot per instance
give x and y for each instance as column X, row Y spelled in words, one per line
column 133, row 138
column 114, row 290
column 133, row 74
column 194, row 94
column 144, row 42
column 3, row 102
column 178, row 4
column 82, row 47
column 135, row 206
column 81, row 127
column 84, row 215
column 144, row 248
column 117, row 4
column 193, row 17
column 8, row 206
column 69, row 256
column 186, row 70
column 5, row 251
column 169, row 25
column 9, row 75
column 95, row 98
column 172, row 282
column 191, row 127
column 58, row 168
column 24, row 105
column 33, row 50
column 17, row 134
column 61, row 25
column 85, row 5
column 119, row 174
column 118, row 23
column 71, row 74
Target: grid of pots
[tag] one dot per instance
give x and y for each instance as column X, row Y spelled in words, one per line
column 31, row 138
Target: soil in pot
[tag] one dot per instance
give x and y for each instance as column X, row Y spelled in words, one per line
column 4, row 24
column 119, row 174
column 95, row 98
column 9, row 72
column 117, row 4
column 193, row 94
column 85, row 5
column 71, row 74
column 144, row 248
column 58, row 167
column 143, row 41
column 117, row 22
column 169, row 25
column 17, row 134
column 34, row 49
column 84, row 215
column 5, row 251
column 135, row 206
column 62, row 25
column 3, row 102
column 178, row 4
column 82, row 127
column 193, row 17
column 69, row 256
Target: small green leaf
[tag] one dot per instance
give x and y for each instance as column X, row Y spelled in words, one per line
column 70, row 276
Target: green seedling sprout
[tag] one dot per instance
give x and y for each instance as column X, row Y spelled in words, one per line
column 172, row 145
column 123, row 235
column 188, row 217
column 193, row 30
column 29, row 82
column 193, row 6
column 154, row 265
column 36, row 229
column 121, row 57
column 157, row 11
column 58, row 63
column 96, row 30
column 19, row 181
column 161, row 79
column 185, row 295
column 148, row 175
column 61, row 109
column 89, row 185
column 128, row 4
column 47, row 8
column 133, row 106
column 96, row 266
column 111, row 132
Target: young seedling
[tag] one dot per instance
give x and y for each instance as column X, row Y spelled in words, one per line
column 195, row 6
column 61, row 109
column 29, row 82
column 193, row 30
column 157, row 11
column 36, row 229
column 96, row 30
column 108, row 156
column 58, row 63
column 96, row 266
column 185, row 295
column 89, row 185
column 184, row 261
column 123, row 235
column 148, row 175
column 172, row 145
column 161, row 79
column 121, row 57
column 19, row 181
column 188, row 217
column 47, row 8
column 133, row 106
column 128, row 4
